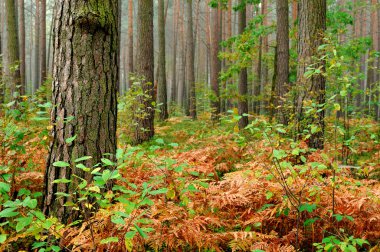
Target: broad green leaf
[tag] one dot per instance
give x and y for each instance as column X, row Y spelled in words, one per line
column 61, row 164
column 130, row 234
column 109, row 240
column 71, row 139
column 23, row 222
column 141, row 232
column 9, row 212
column 107, row 162
column 268, row 195
column 3, row 237
column 63, row 181
column 106, row 175
column 308, row 207
column 4, row 187
column 96, row 170
column 159, row 191
column 279, row 154
column 31, row 203
column 82, row 159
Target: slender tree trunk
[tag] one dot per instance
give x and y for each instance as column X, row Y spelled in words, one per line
column 264, row 64
column 174, row 53
column 49, row 45
column 372, row 69
column 42, row 56
column 190, row 79
column 182, row 80
column 208, row 46
column 130, row 41
column 120, row 87
column 282, row 64
column 215, row 65
column 229, row 35
column 22, row 45
column 13, row 57
column 37, row 27
column 85, row 76
column 162, row 88
column 196, row 40
column 312, row 24
column 31, row 48
column 145, row 68
column 243, row 80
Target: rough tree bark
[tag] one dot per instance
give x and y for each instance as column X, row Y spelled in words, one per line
column 144, row 129
column 85, row 76
column 312, row 24
column 282, row 64
column 162, row 85
column 243, row 79
column 190, row 79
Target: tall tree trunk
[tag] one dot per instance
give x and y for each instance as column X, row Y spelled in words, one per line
column 21, row 22
column 190, row 79
column 85, row 75
column 43, row 73
column 312, row 24
column 174, row 53
column 208, row 45
column 37, row 27
column 13, row 57
column 243, row 80
column 282, row 64
column 215, row 65
column 130, row 42
column 162, row 88
column 264, row 64
column 144, row 130
column 182, row 79
column 372, row 69
column 120, row 87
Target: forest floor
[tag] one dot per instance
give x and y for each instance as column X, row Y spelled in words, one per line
column 225, row 191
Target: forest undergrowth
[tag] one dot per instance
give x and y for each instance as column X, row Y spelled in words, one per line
column 203, row 187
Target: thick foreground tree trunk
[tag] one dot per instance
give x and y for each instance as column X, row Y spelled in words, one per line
column 85, row 75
